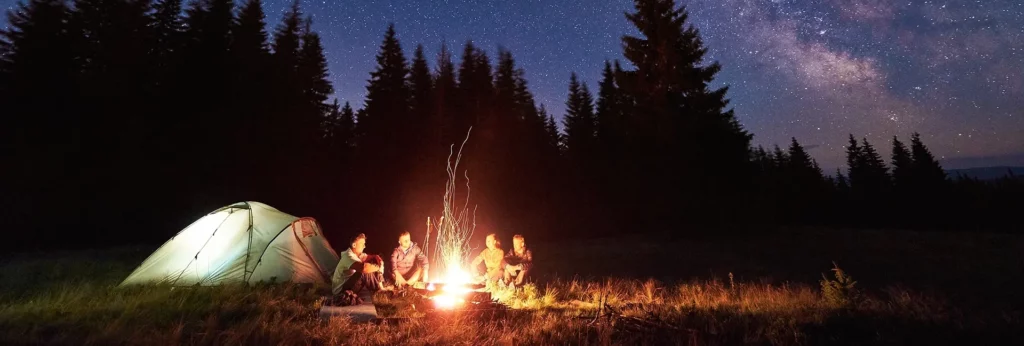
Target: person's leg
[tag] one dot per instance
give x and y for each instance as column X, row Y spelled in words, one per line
column 415, row 277
column 346, row 296
column 521, row 277
column 495, row 274
column 354, row 280
column 508, row 274
column 373, row 281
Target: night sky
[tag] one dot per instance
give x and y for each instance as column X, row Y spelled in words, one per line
column 813, row 69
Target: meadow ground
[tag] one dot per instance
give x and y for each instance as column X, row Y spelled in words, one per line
column 912, row 288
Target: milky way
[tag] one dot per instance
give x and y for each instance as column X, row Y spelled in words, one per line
column 815, row 70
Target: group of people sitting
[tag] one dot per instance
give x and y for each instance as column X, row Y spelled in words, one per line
column 359, row 272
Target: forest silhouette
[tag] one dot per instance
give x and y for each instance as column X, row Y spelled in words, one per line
column 124, row 120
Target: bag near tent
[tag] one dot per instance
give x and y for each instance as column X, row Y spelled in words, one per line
column 246, row 242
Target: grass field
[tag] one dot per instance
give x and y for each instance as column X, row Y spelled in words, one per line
column 912, row 288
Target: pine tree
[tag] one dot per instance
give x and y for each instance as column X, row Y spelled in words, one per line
column 874, row 166
column 329, row 126
column 287, row 41
column 532, row 135
column 346, row 127
column 250, row 38
column 801, row 163
column 250, row 53
column 609, row 122
column 505, row 86
column 384, row 151
column 853, row 161
column 475, row 88
column 312, row 71
column 579, row 122
column 421, row 85
column 168, row 39
column 468, row 88
column 764, row 161
column 338, row 128
column 677, row 117
column 360, row 128
column 842, row 184
column 806, row 184
column 781, row 158
column 925, row 168
column 209, row 24
column 424, row 149
column 445, row 105
column 901, row 167
column 554, row 138
column 624, row 102
column 387, row 98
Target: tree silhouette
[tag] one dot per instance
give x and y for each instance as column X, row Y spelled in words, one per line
column 925, row 168
column 676, row 117
column 901, row 169
column 609, row 112
column 313, row 75
column 421, row 85
column 929, row 184
column 553, row 136
column 807, row 184
column 39, row 128
column 580, row 125
column 382, row 149
column 131, row 106
column 250, row 38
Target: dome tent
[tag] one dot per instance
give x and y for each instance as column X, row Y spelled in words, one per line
column 245, row 242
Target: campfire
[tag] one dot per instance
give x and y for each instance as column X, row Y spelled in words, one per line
column 456, row 289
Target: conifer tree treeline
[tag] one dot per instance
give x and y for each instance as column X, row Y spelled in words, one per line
column 156, row 112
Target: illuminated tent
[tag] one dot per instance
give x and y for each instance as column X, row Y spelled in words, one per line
column 245, row 242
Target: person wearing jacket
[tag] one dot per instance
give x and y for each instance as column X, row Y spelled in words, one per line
column 410, row 265
column 518, row 262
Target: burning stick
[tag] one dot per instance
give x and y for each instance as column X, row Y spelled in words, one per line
column 426, row 241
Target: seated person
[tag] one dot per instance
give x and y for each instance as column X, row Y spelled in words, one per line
column 409, row 262
column 357, row 272
column 492, row 258
column 518, row 262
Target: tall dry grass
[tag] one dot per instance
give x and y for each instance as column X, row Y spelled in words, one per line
column 73, row 300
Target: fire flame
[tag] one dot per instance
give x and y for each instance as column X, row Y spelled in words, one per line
column 453, row 289
column 454, row 230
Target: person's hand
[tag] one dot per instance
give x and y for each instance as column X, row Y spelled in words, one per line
column 370, row 268
column 399, row 280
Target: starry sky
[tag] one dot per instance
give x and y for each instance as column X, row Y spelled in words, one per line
column 816, row 70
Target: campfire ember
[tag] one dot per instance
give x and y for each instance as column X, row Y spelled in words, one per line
column 447, row 296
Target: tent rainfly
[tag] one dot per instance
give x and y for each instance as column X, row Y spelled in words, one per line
column 245, row 242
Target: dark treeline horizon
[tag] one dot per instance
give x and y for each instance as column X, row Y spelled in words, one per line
column 126, row 120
